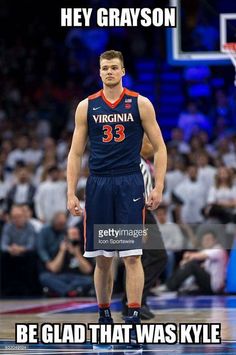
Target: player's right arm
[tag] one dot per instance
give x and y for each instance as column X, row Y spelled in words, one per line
column 75, row 156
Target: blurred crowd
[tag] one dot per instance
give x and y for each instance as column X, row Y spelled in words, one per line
column 40, row 241
column 43, row 76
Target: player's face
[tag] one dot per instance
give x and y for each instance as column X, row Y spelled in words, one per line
column 111, row 71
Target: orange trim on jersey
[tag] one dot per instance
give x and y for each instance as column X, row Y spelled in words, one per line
column 85, row 221
column 113, row 104
column 94, row 96
column 131, row 93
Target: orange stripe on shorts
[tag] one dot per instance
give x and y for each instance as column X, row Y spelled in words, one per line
column 144, row 215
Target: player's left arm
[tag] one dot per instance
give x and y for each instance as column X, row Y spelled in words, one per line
column 153, row 132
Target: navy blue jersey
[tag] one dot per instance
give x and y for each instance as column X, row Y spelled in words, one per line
column 115, row 133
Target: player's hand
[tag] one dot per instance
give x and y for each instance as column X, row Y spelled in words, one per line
column 154, row 199
column 73, row 206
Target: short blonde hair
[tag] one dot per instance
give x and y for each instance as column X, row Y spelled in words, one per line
column 111, row 55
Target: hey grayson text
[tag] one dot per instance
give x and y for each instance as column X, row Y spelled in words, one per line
column 114, row 17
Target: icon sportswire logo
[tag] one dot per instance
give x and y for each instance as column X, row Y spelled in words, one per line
column 96, row 108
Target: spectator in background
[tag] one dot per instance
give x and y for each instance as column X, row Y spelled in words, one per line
column 176, row 175
column 49, row 160
column 4, row 187
column 221, row 127
column 191, row 196
column 18, row 258
column 206, row 172
column 196, row 146
column 207, row 145
column 64, row 269
column 177, row 139
column 63, row 148
column 50, row 196
column 191, row 121
column 18, row 235
column 23, row 190
column 221, row 199
column 226, row 151
column 208, row 266
column 211, row 225
column 49, row 145
column 35, row 153
column 37, row 224
column 6, row 144
column 221, row 107
column 172, row 237
column 20, row 153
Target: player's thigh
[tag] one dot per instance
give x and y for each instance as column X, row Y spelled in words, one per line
column 129, row 202
column 98, row 211
column 99, row 200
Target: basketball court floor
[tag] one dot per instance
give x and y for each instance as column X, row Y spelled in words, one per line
column 168, row 309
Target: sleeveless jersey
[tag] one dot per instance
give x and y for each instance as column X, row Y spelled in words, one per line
column 115, row 133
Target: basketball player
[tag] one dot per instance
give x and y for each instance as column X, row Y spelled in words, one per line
column 114, row 120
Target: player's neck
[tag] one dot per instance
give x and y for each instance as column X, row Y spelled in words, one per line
column 113, row 93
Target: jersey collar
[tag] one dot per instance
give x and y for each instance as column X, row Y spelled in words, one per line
column 113, row 104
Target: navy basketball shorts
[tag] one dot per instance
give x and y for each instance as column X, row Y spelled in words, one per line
column 115, row 199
